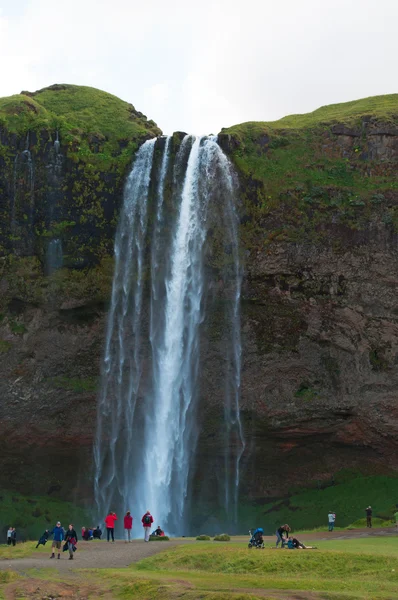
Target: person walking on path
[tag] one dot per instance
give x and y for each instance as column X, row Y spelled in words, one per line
column 43, row 539
column 9, row 536
column 368, row 516
column 71, row 540
column 283, row 529
column 14, row 536
column 147, row 521
column 59, row 534
column 128, row 525
column 110, row 526
column 331, row 519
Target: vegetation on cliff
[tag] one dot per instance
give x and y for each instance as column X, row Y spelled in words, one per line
column 94, row 125
column 336, row 164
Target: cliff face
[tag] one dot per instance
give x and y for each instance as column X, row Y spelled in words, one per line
column 319, row 214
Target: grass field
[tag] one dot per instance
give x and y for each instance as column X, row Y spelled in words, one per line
column 360, row 568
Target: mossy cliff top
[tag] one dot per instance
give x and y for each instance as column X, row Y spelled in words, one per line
column 83, row 116
column 337, row 163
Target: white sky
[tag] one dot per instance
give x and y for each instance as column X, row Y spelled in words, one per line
column 200, row 66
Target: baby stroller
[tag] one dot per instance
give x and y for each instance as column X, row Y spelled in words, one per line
column 256, row 538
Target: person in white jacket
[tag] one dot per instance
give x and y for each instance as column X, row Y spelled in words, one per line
column 331, row 519
column 9, row 536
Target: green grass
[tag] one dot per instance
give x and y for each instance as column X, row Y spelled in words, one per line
column 23, row 550
column 385, row 107
column 364, row 569
column 350, row 567
column 308, row 509
column 93, row 125
column 295, row 172
column 33, row 515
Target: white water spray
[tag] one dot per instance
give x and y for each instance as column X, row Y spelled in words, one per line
column 147, row 413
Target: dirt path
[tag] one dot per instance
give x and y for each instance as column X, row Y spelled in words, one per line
column 91, row 555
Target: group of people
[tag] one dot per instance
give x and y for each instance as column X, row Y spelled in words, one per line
column 11, row 536
column 290, row 542
column 147, row 522
column 68, row 537
column 89, row 533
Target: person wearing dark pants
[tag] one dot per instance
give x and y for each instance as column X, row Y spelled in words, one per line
column 14, row 536
column 368, row 516
column 110, row 526
column 71, row 540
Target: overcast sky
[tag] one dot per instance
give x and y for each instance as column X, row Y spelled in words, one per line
column 200, row 66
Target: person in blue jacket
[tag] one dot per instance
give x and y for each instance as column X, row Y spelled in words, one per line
column 59, row 534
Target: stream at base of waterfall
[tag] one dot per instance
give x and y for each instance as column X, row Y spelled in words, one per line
column 147, row 427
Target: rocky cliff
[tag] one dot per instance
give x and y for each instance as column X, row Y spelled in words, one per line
column 319, row 221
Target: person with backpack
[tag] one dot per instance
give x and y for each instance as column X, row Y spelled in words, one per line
column 110, row 526
column 128, row 525
column 71, row 540
column 331, row 520
column 59, row 533
column 43, row 539
column 368, row 516
column 147, row 521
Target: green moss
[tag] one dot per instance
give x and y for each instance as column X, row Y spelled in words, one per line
column 75, row 384
column 5, row 346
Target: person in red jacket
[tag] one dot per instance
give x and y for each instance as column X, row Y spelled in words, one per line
column 110, row 525
column 128, row 525
column 147, row 521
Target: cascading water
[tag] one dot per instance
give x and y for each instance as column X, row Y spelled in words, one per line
column 115, row 442
column 23, row 202
column 54, row 254
column 147, row 410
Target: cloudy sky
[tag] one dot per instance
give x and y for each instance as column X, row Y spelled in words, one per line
column 201, row 66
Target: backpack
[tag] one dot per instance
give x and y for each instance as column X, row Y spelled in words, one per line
column 147, row 520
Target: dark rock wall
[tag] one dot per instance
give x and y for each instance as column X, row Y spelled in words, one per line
column 319, row 329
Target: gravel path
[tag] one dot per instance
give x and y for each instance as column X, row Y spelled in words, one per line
column 92, row 555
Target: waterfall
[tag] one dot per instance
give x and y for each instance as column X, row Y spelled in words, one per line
column 54, row 254
column 147, row 427
column 121, row 371
column 23, row 202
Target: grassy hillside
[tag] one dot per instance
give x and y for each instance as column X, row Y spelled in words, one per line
column 95, row 125
column 381, row 107
column 337, row 164
column 308, row 509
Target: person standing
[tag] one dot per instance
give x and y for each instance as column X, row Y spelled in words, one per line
column 283, row 529
column 331, row 519
column 368, row 516
column 71, row 540
column 59, row 534
column 110, row 526
column 128, row 525
column 147, row 521
column 9, row 536
column 14, row 536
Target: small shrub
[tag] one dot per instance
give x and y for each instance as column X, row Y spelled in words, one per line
column 159, row 538
column 223, row 537
column 203, row 538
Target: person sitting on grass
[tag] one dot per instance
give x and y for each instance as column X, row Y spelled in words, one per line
column 43, row 539
column 97, row 533
column 294, row 544
column 283, row 529
column 159, row 532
